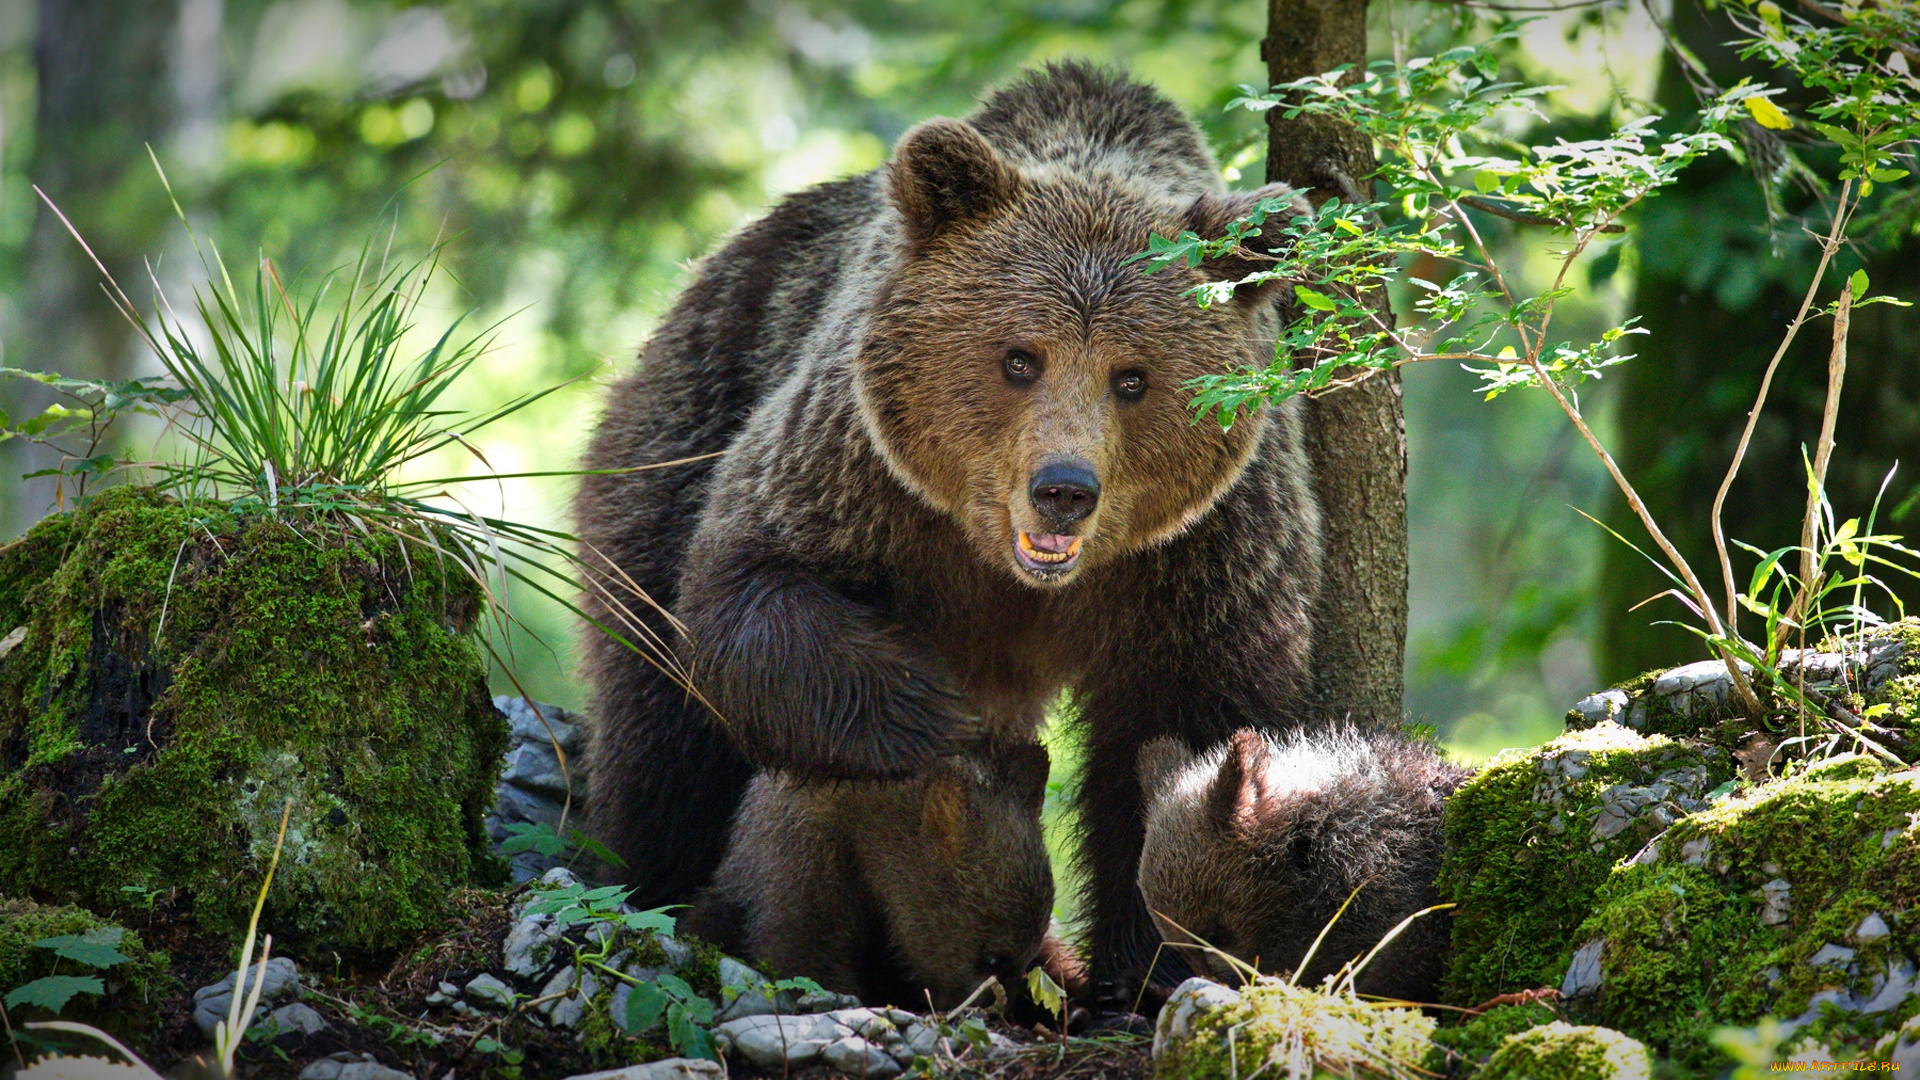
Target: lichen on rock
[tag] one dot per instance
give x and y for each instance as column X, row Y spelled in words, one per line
column 1210, row 1032
column 187, row 672
column 1534, row 836
column 1561, row 1051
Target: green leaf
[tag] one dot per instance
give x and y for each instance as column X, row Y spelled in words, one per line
column 1858, row 282
column 53, row 992
column 532, row 836
column 1886, row 176
column 1486, row 182
column 1045, row 992
column 657, row 921
column 1314, row 300
column 97, row 949
column 645, row 1003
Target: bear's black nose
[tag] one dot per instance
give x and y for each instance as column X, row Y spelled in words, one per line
column 1064, row 492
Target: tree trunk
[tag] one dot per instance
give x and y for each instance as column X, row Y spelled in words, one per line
column 103, row 94
column 1356, row 439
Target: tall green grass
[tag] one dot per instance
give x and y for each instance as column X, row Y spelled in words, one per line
column 309, row 401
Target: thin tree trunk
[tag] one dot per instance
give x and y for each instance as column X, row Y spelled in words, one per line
column 1356, row 439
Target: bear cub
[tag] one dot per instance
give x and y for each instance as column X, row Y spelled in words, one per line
column 1254, row 845
column 890, row 890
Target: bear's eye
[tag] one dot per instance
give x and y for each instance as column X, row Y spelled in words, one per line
column 1021, row 366
column 1130, row 385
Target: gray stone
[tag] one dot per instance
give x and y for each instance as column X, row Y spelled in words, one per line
column 1695, row 851
column 531, row 947
column 919, row 1039
column 1831, row 954
column 1872, row 928
column 1890, row 988
column 1602, row 707
column 827, row 1001
column 1584, row 973
column 1902, row 1047
column 349, row 1066
column 1831, row 996
column 278, row 979
column 856, row 1056
column 566, row 1002
column 1776, row 898
column 779, row 1041
column 208, row 1015
column 298, row 1017
column 526, row 727
column 1691, row 685
column 667, row 1069
column 488, row 990
column 749, row 996
column 1190, row 1001
column 870, row 1024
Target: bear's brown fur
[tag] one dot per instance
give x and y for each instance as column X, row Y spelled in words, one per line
column 890, row 890
column 959, row 474
column 1254, row 846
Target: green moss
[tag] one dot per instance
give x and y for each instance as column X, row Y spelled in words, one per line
column 1686, row 950
column 298, row 662
column 1271, row 1021
column 1472, row 1042
column 134, row 989
column 1523, row 862
column 1561, row 1051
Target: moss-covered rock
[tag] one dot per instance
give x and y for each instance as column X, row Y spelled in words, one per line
column 1560, row 1051
column 1210, row 1032
column 1535, row 834
column 1796, row 898
column 132, row 988
column 186, row 673
column 1460, row 1049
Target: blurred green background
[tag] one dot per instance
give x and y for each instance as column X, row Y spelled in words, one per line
column 572, row 157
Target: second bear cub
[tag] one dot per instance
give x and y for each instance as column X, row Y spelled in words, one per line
column 890, row 891
column 1254, row 846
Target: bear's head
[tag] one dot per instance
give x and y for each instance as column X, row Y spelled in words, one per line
column 1024, row 377
column 1261, row 846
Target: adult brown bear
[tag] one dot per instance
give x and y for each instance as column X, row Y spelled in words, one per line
column 959, row 474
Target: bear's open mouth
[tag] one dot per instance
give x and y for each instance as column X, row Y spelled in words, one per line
column 1046, row 553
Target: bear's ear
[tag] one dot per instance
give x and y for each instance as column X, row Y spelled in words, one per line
column 1241, row 784
column 1211, row 215
column 945, row 172
column 1160, row 760
column 1024, row 767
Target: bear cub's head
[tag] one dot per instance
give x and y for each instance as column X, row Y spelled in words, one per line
column 966, row 886
column 1253, row 847
column 1026, row 379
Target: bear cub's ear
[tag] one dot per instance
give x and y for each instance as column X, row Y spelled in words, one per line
column 1241, row 785
column 945, row 172
column 1211, row 215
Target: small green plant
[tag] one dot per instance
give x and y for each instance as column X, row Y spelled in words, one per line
column 79, row 428
column 96, row 950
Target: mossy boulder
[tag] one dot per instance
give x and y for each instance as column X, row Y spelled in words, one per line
column 180, row 674
column 1533, row 837
column 1799, row 898
column 1560, row 1051
column 132, row 988
column 1461, row 1048
column 1210, row 1032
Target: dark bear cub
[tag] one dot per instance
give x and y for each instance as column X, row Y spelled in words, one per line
column 890, row 891
column 1253, row 846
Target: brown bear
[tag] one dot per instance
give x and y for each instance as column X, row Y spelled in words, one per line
column 954, row 471
column 1252, row 848
column 891, row 890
